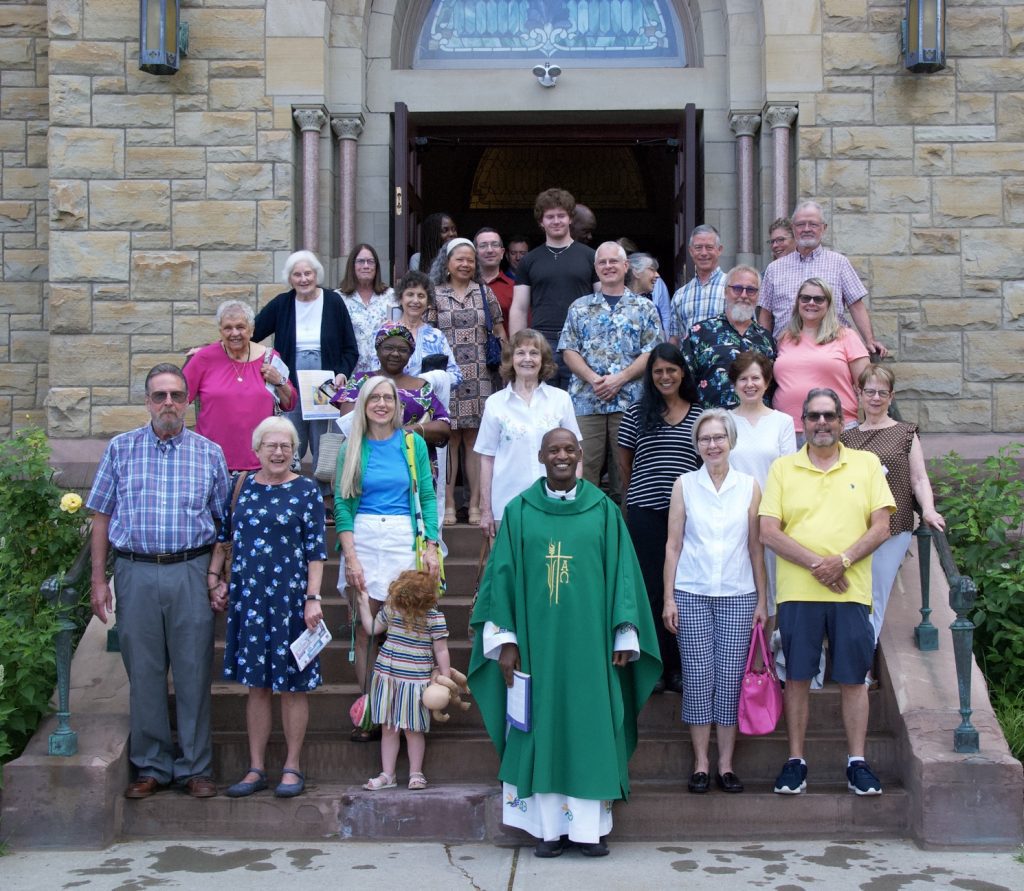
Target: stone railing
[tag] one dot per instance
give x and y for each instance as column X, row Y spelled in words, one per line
column 962, row 594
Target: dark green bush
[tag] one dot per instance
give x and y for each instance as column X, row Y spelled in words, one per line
column 984, row 509
column 42, row 529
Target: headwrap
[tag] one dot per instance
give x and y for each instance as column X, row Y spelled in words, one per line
column 458, row 242
column 392, row 330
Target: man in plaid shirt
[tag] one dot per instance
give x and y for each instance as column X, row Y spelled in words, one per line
column 703, row 296
column 156, row 495
column 783, row 277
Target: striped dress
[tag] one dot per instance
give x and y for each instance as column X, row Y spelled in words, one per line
column 403, row 669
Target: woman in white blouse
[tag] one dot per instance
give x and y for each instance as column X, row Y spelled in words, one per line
column 762, row 434
column 514, row 422
column 714, row 592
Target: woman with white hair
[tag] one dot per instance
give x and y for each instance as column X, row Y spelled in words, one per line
column 312, row 331
column 277, row 534
column 238, row 383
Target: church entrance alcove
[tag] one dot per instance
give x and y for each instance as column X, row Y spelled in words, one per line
column 640, row 177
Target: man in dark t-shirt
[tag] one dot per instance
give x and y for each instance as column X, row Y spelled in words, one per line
column 550, row 277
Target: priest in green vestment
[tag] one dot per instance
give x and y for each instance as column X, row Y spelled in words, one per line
column 563, row 600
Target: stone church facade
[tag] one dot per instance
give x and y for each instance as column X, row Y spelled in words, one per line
column 131, row 204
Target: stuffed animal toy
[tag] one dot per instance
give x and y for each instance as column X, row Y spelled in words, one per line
column 444, row 691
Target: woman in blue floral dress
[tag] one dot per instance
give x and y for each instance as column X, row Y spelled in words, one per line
column 278, row 554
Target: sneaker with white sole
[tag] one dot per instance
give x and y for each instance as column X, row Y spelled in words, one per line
column 861, row 780
column 793, row 779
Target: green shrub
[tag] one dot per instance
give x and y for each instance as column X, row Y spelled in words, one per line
column 41, row 533
column 984, row 509
column 1009, row 709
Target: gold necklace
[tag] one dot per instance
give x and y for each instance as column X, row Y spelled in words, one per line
column 238, row 366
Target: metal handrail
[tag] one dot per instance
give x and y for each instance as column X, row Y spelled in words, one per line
column 962, row 595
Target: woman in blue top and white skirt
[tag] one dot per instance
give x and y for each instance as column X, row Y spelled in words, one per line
column 715, row 592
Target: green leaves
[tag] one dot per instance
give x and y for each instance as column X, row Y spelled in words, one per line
column 984, row 509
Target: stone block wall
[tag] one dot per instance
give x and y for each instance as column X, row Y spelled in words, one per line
column 167, row 195
column 924, row 178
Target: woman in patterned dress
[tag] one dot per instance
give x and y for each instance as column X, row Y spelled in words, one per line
column 458, row 312
column 277, row 564
column 899, row 449
column 368, row 300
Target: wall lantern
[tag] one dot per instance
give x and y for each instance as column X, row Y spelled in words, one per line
column 163, row 37
column 923, row 36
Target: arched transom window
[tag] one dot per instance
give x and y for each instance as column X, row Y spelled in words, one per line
column 592, row 33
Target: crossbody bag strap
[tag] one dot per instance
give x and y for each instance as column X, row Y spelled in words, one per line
column 487, row 310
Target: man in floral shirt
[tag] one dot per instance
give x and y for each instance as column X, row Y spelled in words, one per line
column 605, row 343
column 713, row 344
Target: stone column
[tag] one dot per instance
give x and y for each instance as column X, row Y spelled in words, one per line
column 310, row 120
column 780, row 118
column 745, row 126
column 347, row 128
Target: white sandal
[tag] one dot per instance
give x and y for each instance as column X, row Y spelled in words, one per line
column 381, row 781
column 417, row 781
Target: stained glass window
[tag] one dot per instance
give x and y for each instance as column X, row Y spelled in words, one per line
column 474, row 33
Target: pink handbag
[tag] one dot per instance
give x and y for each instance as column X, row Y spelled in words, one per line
column 760, row 691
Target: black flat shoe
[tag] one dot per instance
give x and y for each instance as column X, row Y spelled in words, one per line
column 675, row 683
column 699, row 783
column 659, row 686
column 729, row 782
column 549, row 848
column 598, row 849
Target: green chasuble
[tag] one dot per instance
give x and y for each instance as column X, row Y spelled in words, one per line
column 563, row 576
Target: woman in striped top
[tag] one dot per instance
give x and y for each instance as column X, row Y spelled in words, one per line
column 417, row 636
column 655, row 447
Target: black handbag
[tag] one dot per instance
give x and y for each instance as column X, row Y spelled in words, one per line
column 492, row 352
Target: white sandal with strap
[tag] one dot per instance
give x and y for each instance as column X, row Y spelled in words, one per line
column 417, row 781
column 381, row 781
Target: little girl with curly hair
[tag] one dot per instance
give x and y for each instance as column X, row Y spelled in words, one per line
column 417, row 637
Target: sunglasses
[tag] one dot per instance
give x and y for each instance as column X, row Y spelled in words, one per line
column 178, row 397
column 815, row 416
column 816, row 299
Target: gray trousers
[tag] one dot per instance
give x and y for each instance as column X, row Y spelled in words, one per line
column 164, row 620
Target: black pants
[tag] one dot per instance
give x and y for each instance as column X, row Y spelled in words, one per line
column 649, row 530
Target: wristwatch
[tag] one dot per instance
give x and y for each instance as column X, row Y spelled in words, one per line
column 847, row 562
column 313, row 597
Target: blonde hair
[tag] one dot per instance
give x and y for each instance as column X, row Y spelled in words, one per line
column 829, row 328
column 350, row 480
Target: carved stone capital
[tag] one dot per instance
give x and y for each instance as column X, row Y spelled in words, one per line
column 309, row 118
column 348, row 126
column 744, row 123
column 776, row 116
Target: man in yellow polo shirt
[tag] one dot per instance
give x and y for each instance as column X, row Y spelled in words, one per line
column 825, row 509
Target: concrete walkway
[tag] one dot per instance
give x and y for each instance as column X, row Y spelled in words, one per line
column 786, row 866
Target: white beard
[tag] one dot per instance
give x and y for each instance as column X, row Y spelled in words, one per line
column 740, row 313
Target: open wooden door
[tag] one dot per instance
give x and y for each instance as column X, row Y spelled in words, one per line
column 406, row 208
column 689, row 186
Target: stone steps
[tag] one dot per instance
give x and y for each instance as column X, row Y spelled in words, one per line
column 472, row 812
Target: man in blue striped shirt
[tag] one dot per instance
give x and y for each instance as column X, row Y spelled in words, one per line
column 157, row 493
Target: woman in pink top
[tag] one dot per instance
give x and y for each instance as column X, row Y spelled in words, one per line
column 237, row 383
column 817, row 351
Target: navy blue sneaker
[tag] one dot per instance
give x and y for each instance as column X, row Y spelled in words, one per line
column 793, row 779
column 861, row 781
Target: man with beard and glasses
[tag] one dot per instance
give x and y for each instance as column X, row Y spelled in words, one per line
column 825, row 510
column 157, row 494
column 713, row 344
column 783, row 277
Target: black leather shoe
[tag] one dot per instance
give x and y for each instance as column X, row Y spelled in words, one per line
column 729, row 782
column 598, row 849
column 699, row 783
column 659, row 686
column 675, row 683
column 549, row 848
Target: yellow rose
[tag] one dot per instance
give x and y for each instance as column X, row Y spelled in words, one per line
column 71, row 502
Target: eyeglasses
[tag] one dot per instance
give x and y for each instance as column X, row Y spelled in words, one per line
column 816, row 299
column 394, row 348
column 365, row 261
column 380, row 397
column 740, row 290
column 277, row 446
column 806, row 224
column 488, row 245
column 178, row 397
column 815, row 416
column 782, row 239
column 871, row 392
column 714, row 439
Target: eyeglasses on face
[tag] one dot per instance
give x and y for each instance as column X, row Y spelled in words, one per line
column 178, row 397
column 365, row 261
column 781, row 239
column 740, row 290
column 488, row 245
column 871, row 392
column 402, row 347
column 277, row 446
column 816, row 299
column 713, row 439
column 386, row 398
column 815, row 416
